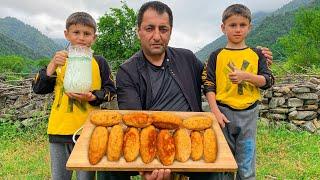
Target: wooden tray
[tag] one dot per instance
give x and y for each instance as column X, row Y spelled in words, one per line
column 78, row 159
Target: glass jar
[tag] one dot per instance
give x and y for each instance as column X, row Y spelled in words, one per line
column 78, row 74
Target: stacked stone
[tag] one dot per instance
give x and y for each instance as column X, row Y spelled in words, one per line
column 20, row 106
column 296, row 104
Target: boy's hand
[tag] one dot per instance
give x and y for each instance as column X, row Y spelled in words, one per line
column 82, row 96
column 237, row 76
column 59, row 59
column 161, row 174
column 221, row 118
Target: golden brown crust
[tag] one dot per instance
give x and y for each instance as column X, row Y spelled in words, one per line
column 165, row 147
column 106, row 118
column 137, row 119
column 131, row 144
column 165, row 120
column 210, row 147
column 196, row 145
column 115, row 143
column 148, row 137
column 197, row 123
column 183, row 145
column 97, row 144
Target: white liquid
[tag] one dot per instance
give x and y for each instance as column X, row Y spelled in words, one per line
column 78, row 75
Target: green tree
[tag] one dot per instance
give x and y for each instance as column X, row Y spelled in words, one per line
column 117, row 39
column 11, row 64
column 302, row 44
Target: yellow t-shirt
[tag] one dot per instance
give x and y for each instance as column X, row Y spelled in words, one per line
column 68, row 115
column 216, row 76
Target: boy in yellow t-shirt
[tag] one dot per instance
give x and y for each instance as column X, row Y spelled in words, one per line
column 232, row 78
column 70, row 110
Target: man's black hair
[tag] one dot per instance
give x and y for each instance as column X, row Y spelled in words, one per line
column 159, row 7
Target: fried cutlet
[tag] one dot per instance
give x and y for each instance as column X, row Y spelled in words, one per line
column 183, row 145
column 196, row 145
column 106, row 118
column 137, row 119
column 131, row 144
column 148, row 137
column 165, row 120
column 165, row 147
column 197, row 123
column 98, row 144
column 210, row 147
column 115, row 143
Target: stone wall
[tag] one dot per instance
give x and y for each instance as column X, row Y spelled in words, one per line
column 19, row 105
column 296, row 104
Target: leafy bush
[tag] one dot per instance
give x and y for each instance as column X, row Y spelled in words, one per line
column 17, row 64
column 302, row 44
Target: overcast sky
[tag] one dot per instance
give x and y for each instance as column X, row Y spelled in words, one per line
column 195, row 22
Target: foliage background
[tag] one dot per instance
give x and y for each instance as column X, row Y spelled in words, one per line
column 117, row 40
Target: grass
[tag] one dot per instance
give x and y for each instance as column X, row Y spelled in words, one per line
column 287, row 155
column 24, row 153
column 281, row 154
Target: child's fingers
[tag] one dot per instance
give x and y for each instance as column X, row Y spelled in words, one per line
column 221, row 122
column 225, row 119
column 62, row 53
column 59, row 60
column 233, row 78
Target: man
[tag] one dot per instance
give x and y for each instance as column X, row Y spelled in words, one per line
column 159, row 77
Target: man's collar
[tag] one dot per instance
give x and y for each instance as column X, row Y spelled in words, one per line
column 142, row 55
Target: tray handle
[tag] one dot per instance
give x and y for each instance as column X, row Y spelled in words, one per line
column 74, row 135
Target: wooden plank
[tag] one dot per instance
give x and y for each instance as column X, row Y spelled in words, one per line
column 78, row 159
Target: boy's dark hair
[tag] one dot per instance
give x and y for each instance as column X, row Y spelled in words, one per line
column 159, row 7
column 236, row 9
column 81, row 18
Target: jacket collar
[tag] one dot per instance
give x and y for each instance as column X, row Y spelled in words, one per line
column 142, row 59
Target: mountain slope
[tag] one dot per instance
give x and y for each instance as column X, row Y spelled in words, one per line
column 60, row 41
column 11, row 47
column 266, row 30
column 28, row 36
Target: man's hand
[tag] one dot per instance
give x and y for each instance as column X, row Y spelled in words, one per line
column 221, row 118
column 237, row 76
column 82, row 96
column 161, row 174
column 267, row 54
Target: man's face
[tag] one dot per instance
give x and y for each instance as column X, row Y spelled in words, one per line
column 154, row 32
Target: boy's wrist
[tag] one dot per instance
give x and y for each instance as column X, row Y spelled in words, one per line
column 51, row 68
column 215, row 110
column 247, row 76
